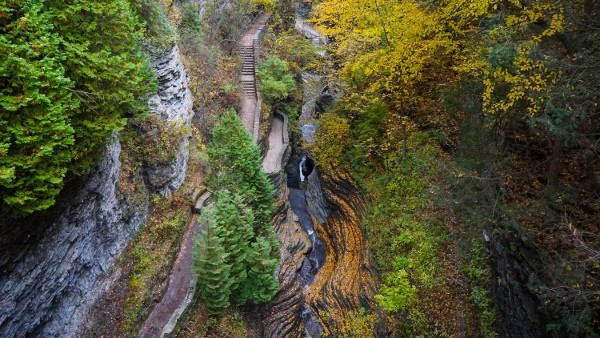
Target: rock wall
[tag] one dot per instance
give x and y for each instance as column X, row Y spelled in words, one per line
column 172, row 104
column 52, row 275
column 348, row 280
column 52, row 263
column 514, row 262
column 283, row 317
column 308, row 304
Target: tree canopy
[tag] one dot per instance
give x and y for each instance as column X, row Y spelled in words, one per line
column 71, row 73
column 240, row 219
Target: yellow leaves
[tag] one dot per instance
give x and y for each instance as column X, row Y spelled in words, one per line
column 528, row 80
column 385, row 45
column 535, row 13
column 514, row 70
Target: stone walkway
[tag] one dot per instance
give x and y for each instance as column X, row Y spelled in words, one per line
column 180, row 290
column 181, row 285
column 272, row 161
column 248, row 77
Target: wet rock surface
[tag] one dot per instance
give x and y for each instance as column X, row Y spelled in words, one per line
column 325, row 267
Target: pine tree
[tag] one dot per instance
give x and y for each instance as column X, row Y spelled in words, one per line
column 236, row 164
column 234, row 221
column 261, row 285
column 212, row 268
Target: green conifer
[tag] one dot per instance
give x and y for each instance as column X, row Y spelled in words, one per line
column 212, row 268
column 237, row 166
column 261, row 285
column 234, row 220
column 71, row 73
column 242, row 212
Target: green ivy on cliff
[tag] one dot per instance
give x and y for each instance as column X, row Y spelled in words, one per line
column 71, row 73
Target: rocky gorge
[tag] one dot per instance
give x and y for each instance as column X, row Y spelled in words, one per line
column 54, row 265
column 57, row 265
column 326, row 272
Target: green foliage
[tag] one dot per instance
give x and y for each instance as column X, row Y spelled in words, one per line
column 261, row 285
column 359, row 325
column 191, row 23
column 404, row 237
column 479, row 273
column 233, row 222
column 396, row 292
column 65, row 87
column 297, row 51
column 37, row 136
column 159, row 34
column 236, row 166
column 241, row 219
column 276, row 81
column 212, row 268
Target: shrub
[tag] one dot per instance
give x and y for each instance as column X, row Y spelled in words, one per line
column 276, row 81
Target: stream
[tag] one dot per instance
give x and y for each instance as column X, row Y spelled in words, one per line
column 315, row 257
column 325, row 270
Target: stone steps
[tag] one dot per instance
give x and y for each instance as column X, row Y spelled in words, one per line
column 248, row 79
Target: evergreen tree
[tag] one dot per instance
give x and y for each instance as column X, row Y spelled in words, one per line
column 236, row 165
column 71, row 72
column 212, row 268
column 242, row 212
column 234, row 221
column 36, row 134
column 261, row 285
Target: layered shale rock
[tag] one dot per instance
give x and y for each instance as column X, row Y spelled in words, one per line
column 283, row 317
column 53, row 264
column 172, row 105
column 348, row 280
column 325, row 270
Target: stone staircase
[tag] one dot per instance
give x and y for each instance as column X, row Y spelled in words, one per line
column 248, row 79
column 249, row 50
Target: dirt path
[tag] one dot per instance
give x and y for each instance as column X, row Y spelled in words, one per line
column 248, row 76
column 272, row 161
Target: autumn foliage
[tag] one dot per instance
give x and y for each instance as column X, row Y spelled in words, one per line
column 507, row 90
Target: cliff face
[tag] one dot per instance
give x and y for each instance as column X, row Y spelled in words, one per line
column 172, row 104
column 49, row 279
column 51, row 263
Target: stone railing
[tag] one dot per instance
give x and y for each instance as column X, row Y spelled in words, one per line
column 257, row 111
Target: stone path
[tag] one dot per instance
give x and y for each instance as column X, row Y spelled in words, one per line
column 181, row 287
column 272, row 161
column 179, row 292
column 248, row 77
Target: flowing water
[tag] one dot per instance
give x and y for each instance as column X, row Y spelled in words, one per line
column 325, row 270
